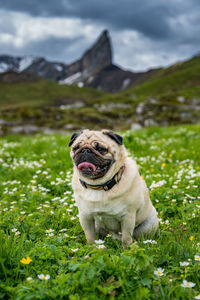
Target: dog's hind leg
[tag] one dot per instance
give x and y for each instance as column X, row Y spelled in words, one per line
column 148, row 227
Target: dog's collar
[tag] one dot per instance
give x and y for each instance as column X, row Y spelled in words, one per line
column 107, row 185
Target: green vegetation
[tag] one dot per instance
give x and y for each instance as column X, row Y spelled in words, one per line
column 40, row 93
column 179, row 79
column 38, row 219
column 170, row 96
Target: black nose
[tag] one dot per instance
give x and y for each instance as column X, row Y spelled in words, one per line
column 86, row 150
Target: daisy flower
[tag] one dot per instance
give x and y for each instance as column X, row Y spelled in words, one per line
column 184, row 263
column 44, row 277
column 150, row 241
column 187, row 284
column 101, row 247
column 74, row 250
column 197, row 257
column 62, row 230
column 99, row 241
column 51, row 234
column 49, row 230
column 159, row 272
column 197, row 297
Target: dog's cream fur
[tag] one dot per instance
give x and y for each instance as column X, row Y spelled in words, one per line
column 125, row 208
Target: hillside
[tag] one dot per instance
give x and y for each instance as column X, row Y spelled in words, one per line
column 31, row 106
column 180, row 79
column 21, row 92
column 169, row 96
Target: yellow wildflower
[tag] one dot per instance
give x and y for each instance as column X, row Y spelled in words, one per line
column 163, row 165
column 191, row 238
column 26, row 261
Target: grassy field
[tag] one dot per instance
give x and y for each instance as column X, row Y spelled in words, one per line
column 43, row 251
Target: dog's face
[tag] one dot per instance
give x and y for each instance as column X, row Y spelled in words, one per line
column 94, row 153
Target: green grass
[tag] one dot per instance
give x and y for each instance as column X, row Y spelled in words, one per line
column 179, row 79
column 42, row 92
column 36, row 195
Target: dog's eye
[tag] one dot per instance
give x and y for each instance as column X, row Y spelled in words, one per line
column 75, row 148
column 101, row 149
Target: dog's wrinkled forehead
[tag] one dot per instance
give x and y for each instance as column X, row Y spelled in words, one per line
column 89, row 136
column 91, row 139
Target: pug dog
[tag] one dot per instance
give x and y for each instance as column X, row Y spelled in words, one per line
column 110, row 194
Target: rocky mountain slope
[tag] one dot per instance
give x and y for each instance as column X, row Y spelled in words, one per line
column 94, row 69
column 30, row 103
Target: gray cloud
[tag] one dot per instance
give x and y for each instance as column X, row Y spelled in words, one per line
column 147, row 17
column 144, row 33
column 6, row 26
column 52, row 48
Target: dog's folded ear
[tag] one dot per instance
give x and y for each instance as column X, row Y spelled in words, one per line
column 73, row 138
column 114, row 136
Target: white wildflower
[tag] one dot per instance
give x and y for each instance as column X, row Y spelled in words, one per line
column 197, row 257
column 184, row 263
column 99, row 242
column 44, row 277
column 159, row 272
column 150, row 241
column 49, row 230
column 74, row 250
column 188, row 284
column 101, row 246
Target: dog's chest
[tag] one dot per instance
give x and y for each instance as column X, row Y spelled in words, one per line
column 102, row 207
column 108, row 214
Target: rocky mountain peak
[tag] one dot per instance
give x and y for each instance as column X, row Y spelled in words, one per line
column 94, row 68
column 93, row 60
column 99, row 55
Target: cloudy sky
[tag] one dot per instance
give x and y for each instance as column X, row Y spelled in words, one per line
column 145, row 33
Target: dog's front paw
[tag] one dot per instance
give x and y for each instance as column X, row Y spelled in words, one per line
column 127, row 240
column 90, row 240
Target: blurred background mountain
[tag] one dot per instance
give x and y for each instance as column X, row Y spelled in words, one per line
column 92, row 92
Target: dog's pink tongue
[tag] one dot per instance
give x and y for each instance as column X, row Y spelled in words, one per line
column 86, row 165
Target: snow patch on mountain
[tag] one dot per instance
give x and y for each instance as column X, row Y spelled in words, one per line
column 71, row 79
column 4, row 67
column 58, row 67
column 25, row 62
